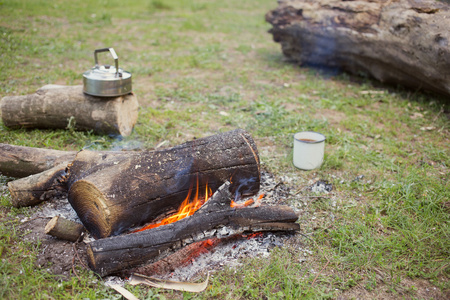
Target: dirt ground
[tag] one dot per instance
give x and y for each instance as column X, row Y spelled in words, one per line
column 57, row 256
column 412, row 289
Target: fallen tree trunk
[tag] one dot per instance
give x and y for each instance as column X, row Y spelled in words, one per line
column 395, row 41
column 19, row 161
column 112, row 192
column 114, row 254
column 54, row 106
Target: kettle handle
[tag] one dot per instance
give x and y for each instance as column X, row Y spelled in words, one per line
column 113, row 54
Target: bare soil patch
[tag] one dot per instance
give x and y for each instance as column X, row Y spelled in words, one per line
column 58, row 257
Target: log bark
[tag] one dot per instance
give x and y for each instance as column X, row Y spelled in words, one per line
column 55, row 106
column 39, row 187
column 395, row 41
column 19, row 161
column 114, row 254
column 112, row 192
column 64, row 229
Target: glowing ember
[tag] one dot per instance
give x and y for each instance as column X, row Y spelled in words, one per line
column 187, row 208
column 247, row 203
column 253, row 235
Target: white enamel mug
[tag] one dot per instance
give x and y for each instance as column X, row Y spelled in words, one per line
column 309, row 149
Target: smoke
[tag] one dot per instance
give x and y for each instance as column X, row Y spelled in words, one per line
column 114, row 143
column 243, row 187
column 182, row 179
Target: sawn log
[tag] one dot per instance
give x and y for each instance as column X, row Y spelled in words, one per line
column 54, row 106
column 64, row 229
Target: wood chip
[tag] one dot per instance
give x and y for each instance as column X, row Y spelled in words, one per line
column 124, row 292
column 168, row 284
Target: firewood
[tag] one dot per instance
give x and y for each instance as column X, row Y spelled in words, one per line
column 54, row 106
column 64, row 229
column 114, row 254
column 19, row 161
column 36, row 188
column 114, row 192
column 400, row 42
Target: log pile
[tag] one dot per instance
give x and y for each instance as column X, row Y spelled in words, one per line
column 114, row 192
column 395, row 41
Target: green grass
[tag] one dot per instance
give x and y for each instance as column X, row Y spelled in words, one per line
column 210, row 66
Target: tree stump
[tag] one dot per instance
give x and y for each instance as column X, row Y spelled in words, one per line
column 54, row 106
column 403, row 42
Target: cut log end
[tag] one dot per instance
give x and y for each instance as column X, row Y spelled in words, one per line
column 92, row 262
column 128, row 116
column 92, row 208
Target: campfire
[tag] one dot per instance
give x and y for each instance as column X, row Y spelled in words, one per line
column 187, row 208
column 149, row 212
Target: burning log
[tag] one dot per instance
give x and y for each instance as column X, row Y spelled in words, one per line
column 112, row 192
column 54, row 106
column 401, row 42
column 114, row 254
column 18, row 161
column 64, row 229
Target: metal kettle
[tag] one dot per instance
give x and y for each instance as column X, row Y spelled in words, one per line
column 106, row 80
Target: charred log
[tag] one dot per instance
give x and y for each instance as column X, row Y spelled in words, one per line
column 114, row 254
column 401, row 42
column 112, row 192
column 39, row 187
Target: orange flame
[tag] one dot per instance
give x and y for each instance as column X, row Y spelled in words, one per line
column 247, row 203
column 186, row 209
